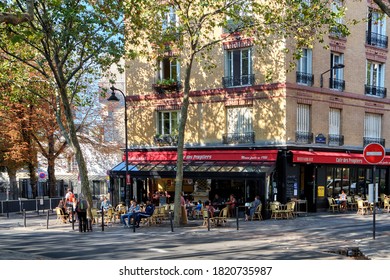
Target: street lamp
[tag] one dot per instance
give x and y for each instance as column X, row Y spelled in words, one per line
column 127, row 179
column 336, row 66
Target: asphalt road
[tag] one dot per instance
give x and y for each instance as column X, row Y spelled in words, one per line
column 318, row 236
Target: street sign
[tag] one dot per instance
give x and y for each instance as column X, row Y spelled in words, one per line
column 374, row 153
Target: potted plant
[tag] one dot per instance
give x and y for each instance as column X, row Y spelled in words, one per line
column 165, row 85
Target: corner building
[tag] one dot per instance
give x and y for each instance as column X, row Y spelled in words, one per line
column 293, row 135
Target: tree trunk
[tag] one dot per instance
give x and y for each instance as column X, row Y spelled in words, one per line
column 180, row 144
column 13, row 184
column 51, row 177
column 73, row 141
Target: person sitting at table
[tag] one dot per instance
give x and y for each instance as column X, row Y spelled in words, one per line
column 252, row 208
column 149, row 209
column 209, row 208
column 232, row 203
column 133, row 209
column 343, row 200
column 105, row 204
column 197, row 210
column 217, row 201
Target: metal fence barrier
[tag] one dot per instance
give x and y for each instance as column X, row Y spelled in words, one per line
column 38, row 205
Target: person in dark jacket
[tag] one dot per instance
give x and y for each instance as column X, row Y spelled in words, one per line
column 149, row 209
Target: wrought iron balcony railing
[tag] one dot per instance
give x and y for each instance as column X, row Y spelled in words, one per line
column 337, row 84
column 375, row 39
column 305, row 78
column 303, row 137
column 335, row 140
column 235, row 81
column 375, row 91
column 368, row 140
column 238, row 138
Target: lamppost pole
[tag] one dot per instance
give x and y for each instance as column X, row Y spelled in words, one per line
column 127, row 179
column 336, row 66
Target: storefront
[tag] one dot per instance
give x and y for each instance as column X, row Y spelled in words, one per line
column 320, row 174
column 242, row 172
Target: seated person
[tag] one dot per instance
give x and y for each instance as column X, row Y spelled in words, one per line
column 251, row 210
column 149, row 209
column 343, row 200
column 197, row 209
column 217, row 201
column 133, row 209
column 209, row 208
column 232, row 203
column 105, row 204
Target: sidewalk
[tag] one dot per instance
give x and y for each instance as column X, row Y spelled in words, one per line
column 314, row 236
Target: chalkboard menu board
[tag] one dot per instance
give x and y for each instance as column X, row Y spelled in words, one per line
column 292, row 186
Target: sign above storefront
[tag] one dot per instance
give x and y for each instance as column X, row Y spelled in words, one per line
column 333, row 158
column 202, row 155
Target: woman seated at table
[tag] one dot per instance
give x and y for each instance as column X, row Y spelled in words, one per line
column 343, row 200
column 232, row 204
column 209, row 208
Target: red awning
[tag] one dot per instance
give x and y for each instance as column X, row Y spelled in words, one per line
column 205, row 155
column 333, row 158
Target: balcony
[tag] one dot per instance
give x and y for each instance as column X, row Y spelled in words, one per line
column 377, row 40
column 238, row 138
column 302, row 137
column 236, row 81
column 305, row 78
column 335, row 140
column 167, row 86
column 165, row 140
column 375, row 91
column 337, row 84
column 369, row 140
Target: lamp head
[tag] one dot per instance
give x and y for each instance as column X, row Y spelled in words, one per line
column 113, row 96
column 338, row 66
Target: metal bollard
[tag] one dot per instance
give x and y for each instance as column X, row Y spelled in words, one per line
column 208, row 220
column 24, row 218
column 237, row 217
column 170, row 218
column 7, row 209
column 47, row 220
column 133, row 221
column 72, row 219
column 102, row 218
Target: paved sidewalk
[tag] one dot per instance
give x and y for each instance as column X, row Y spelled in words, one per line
column 313, row 236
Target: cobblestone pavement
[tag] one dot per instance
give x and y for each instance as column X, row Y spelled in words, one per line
column 320, row 236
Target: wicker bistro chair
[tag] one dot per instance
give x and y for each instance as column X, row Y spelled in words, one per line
column 386, row 204
column 207, row 218
column 333, row 205
column 61, row 216
column 362, row 208
column 351, row 203
column 222, row 219
column 257, row 214
column 276, row 212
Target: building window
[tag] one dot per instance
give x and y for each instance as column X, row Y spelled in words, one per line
column 168, row 122
column 169, row 69
column 239, row 126
column 238, row 68
column 376, row 29
column 303, row 134
column 336, row 80
column 375, row 79
column 335, row 137
column 373, row 129
column 304, row 68
column 169, row 19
